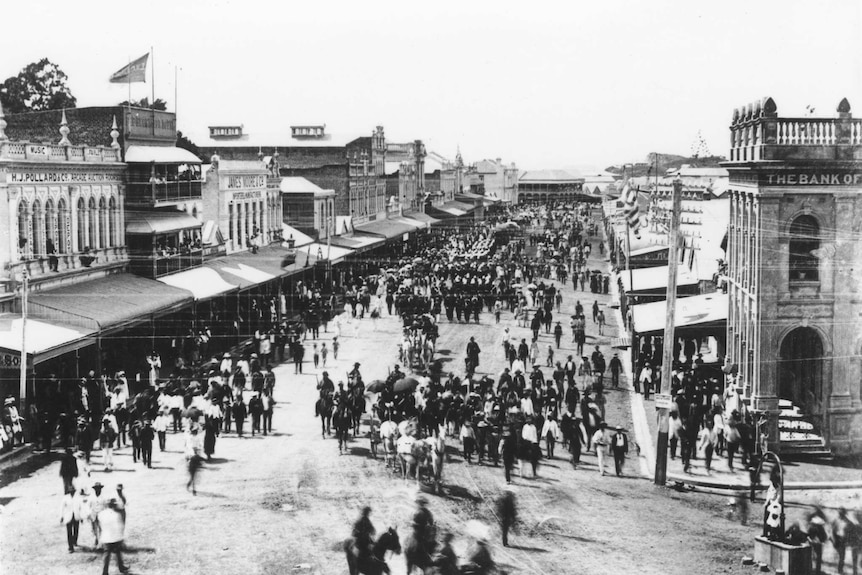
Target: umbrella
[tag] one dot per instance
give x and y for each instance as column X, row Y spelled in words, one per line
column 192, row 413
column 376, row 386
column 405, row 384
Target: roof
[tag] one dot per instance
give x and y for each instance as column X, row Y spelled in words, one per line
column 698, row 310
column 335, row 254
column 357, row 243
column 158, row 221
column 299, row 185
column 648, row 279
column 132, row 299
column 160, row 154
column 203, row 282
column 710, row 172
column 244, row 166
column 246, row 269
column 299, row 238
column 421, row 217
column 387, row 228
column 43, row 337
column 548, row 176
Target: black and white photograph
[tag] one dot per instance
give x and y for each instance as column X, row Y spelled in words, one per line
column 443, row 288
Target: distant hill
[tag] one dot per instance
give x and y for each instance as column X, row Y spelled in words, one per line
column 665, row 162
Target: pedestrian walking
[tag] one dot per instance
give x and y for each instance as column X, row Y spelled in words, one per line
column 595, row 311
column 324, row 351
column 335, row 346
column 507, row 513
column 160, row 425
column 70, row 516
column 107, row 436
column 298, row 353
column 817, row 537
column 620, row 447
column 600, row 443
column 616, row 366
column 147, row 436
column 315, row 355
column 558, row 334
column 601, row 321
column 239, row 414
column 255, row 410
column 112, row 524
column 68, row 469
column 551, row 433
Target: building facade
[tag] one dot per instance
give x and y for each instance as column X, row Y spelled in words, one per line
column 353, row 168
column 238, row 198
column 550, row 185
column 62, row 210
column 405, row 174
column 308, row 208
column 495, row 179
column 795, row 274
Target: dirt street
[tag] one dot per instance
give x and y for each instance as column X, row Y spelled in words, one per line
column 284, row 503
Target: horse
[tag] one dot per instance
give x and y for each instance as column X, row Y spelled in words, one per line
column 323, row 408
column 356, row 406
column 430, row 454
column 376, row 564
column 342, row 428
column 406, row 455
column 388, row 435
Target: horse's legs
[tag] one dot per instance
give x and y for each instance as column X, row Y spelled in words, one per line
column 322, row 426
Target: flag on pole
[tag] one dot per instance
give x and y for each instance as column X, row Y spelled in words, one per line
column 632, row 211
column 135, row 71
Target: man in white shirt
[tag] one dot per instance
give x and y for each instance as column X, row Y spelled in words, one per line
column 645, row 379
column 113, row 527
column 601, row 446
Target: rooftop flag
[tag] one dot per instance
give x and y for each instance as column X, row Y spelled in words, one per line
column 135, row 71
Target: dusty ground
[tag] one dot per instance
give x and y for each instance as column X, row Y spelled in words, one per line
column 284, row 503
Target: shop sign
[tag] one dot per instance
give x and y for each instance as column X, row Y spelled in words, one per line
column 10, row 360
column 151, row 124
column 814, row 179
column 242, row 182
column 37, row 150
column 60, row 177
column 663, row 401
column 248, row 195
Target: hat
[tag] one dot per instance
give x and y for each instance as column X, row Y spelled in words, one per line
column 119, row 486
column 97, row 485
column 121, row 373
column 619, row 428
column 254, row 355
column 9, row 401
column 357, row 364
column 226, row 355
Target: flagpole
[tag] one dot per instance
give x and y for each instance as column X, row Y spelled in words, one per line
column 153, row 72
column 129, row 82
column 176, row 91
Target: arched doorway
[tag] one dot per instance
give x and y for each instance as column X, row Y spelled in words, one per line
column 800, row 369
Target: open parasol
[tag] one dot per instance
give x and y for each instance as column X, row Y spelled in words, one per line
column 376, row 386
column 406, row 384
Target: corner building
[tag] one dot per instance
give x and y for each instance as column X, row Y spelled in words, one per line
column 795, row 275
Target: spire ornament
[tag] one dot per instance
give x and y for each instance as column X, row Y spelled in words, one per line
column 64, row 131
column 115, row 133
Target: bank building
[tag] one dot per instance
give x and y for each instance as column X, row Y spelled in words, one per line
column 794, row 332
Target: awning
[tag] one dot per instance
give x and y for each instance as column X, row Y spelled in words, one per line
column 694, row 311
column 246, row 270
column 389, row 229
column 149, row 222
column 335, row 254
column 464, row 207
column 422, row 217
column 647, row 279
column 648, row 250
column 357, row 243
column 415, row 224
column 160, row 155
column 44, row 340
column 300, row 238
column 203, row 282
column 110, row 303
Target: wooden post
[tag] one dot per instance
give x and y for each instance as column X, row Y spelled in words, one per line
column 668, row 344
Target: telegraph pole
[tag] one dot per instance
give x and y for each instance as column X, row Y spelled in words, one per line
column 668, row 343
column 22, row 382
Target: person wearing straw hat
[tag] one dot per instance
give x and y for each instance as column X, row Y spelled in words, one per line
column 620, row 447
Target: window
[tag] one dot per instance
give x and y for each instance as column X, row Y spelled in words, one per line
column 24, row 230
column 804, row 239
column 92, row 220
column 104, row 225
column 114, row 215
column 82, row 225
column 38, row 230
column 64, row 227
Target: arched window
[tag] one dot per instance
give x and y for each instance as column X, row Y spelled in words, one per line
column 50, row 225
column 82, row 225
column 804, row 239
column 63, row 224
column 114, row 216
column 38, row 230
column 24, row 244
column 801, row 368
column 93, row 220
column 104, row 226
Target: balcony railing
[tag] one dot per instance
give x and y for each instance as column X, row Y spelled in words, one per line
column 40, row 266
column 56, row 153
column 169, row 191
column 757, row 133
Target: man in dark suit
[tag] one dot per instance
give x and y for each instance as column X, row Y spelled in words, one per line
column 620, row 446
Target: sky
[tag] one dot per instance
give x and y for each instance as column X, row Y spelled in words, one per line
column 582, row 84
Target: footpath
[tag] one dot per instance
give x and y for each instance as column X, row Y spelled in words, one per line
column 837, row 473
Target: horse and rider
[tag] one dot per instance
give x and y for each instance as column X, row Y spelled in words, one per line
column 365, row 555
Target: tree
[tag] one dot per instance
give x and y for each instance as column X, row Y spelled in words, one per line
column 158, row 104
column 186, row 144
column 38, row 86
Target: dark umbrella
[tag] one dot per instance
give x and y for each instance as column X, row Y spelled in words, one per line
column 406, row 384
column 376, row 386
